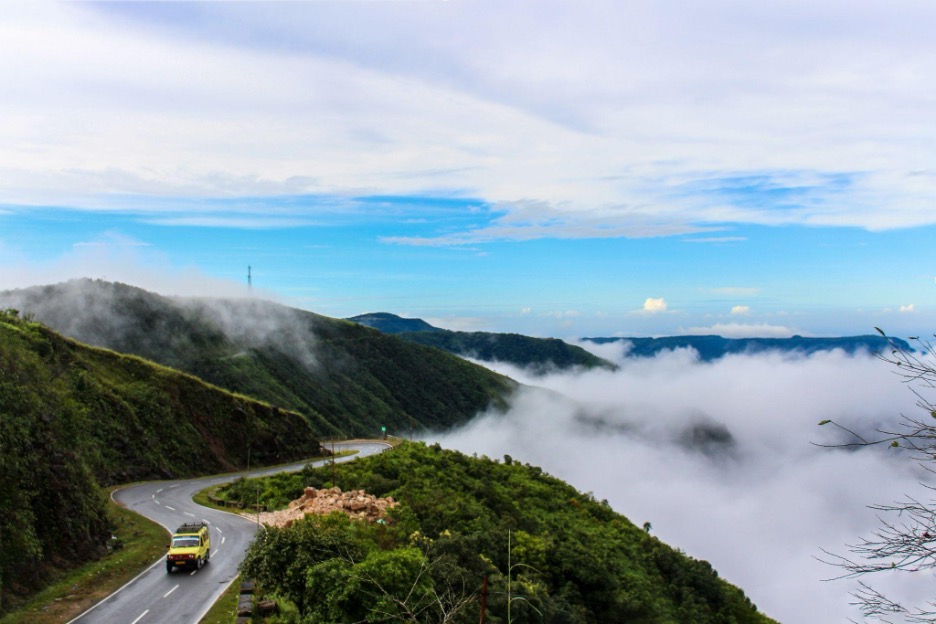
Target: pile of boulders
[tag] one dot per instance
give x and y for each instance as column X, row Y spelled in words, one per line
column 357, row 504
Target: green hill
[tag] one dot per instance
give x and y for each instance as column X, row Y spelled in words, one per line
column 568, row 558
column 393, row 324
column 74, row 418
column 347, row 379
column 539, row 354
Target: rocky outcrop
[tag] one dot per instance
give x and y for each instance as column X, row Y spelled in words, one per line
column 357, row 504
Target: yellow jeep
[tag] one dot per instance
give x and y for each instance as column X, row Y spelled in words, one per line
column 190, row 547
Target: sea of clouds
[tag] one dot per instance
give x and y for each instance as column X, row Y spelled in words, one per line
column 723, row 459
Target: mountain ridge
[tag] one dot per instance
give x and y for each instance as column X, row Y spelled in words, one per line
column 542, row 355
column 709, row 346
column 345, row 378
column 713, row 347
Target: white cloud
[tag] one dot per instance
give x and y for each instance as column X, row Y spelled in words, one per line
column 907, row 308
column 652, row 305
column 118, row 258
column 761, row 506
column 675, row 127
column 740, row 310
column 716, row 239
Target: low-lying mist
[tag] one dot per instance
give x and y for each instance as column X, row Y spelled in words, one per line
column 722, row 459
column 118, row 316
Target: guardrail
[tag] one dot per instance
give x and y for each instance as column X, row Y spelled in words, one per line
column 220, row 502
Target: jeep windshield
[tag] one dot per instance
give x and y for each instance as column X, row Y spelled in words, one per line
column 184, row 542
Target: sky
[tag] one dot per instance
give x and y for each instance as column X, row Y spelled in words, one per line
column 758, row 498
column 549, row 168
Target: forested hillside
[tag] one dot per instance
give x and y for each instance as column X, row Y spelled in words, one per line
column 563, row 556
column 74, row 418
column 537, row 354
column 347, row 379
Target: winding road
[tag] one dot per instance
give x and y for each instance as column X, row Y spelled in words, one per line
column 183, row 597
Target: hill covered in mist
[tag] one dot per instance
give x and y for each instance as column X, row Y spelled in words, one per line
column 347, row 379
column 74, row 418
column 537, row 354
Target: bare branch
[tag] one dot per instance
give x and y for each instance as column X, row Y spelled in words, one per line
column 906, row 538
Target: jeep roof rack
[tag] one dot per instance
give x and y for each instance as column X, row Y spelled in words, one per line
column 193, row 527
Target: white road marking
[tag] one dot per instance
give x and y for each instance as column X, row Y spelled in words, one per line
column 166, row 595
column 140, row 618
column 170, row 508
column 205, row 521
column 158, row 491
column 188, row 514
column 175, row 485
column 222, row 540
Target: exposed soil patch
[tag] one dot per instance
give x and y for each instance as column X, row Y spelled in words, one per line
column 357, row 504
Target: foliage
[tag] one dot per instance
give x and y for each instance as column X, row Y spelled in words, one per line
column 73, row 418
column 347, row 379
column 134, row 544
column 579, row 561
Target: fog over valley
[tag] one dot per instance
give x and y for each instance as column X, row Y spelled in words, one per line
column 723, row 460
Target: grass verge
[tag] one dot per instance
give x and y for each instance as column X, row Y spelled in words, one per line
column 222, row 611
column 141, row 543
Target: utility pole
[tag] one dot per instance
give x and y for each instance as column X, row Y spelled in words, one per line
column 333, row 459
column 249, row 279
column 483, row 598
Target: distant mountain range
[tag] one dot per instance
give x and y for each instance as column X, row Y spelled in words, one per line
column 539, row 354
column 544, row 354
column 714, row 347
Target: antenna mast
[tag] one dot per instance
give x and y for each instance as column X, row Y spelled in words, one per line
column 249, row 279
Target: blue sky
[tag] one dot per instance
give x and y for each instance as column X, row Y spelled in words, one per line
column 548, row 168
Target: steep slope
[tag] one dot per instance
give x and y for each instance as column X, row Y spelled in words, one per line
column 347, row 379
column 73, row 418
column 538, row 354
column 714, row 347
column 461, row 518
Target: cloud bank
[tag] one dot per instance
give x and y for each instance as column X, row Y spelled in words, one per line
column 595, row 120
column 719, row 459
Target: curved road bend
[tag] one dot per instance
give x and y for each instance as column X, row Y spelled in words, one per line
column 183, row 597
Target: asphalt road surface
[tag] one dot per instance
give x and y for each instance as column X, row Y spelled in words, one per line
column 184, row 597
